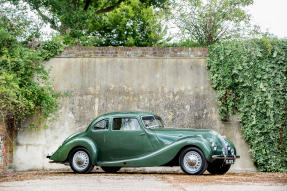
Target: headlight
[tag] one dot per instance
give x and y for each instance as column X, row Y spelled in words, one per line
column 227, row 145
column 232, row 151
column 214, row 147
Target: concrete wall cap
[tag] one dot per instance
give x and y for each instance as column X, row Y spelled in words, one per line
column 133, row 52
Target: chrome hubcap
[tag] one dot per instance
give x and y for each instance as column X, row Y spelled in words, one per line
column 192, row 161
column 80, row 160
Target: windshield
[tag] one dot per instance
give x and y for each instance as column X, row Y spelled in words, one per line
column 152, row 122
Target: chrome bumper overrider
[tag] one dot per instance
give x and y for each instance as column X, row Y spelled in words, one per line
column 224, row 157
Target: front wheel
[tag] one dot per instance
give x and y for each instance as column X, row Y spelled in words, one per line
column 218, row 167
column 110, row 169
column 80, row 160
column 192, row 161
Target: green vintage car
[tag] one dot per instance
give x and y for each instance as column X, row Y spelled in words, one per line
column 140, row 139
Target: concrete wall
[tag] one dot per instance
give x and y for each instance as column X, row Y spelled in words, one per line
column 172, row 82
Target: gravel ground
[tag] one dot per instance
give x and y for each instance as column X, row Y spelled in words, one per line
column 140, row 179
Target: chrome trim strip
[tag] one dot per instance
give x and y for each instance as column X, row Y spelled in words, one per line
column 224, row 157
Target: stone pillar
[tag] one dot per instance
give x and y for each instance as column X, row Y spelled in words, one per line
column 6, row 147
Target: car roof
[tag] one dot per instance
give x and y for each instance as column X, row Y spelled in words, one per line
column 126, row 113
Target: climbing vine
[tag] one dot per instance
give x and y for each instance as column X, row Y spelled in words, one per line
column 250, row 78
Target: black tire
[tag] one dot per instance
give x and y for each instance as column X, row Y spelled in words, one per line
column 218, row 167
column 111, row 169
column 186, row 167
column 75, row 166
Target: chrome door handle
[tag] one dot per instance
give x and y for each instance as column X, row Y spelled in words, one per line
column 142, row 134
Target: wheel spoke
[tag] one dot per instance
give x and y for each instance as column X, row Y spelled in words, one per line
column 80, row 160
column 192, row 161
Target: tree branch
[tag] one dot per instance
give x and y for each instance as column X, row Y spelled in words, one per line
column 47, row 19
column 110, row 8
column 87, row 5
column 75, row 3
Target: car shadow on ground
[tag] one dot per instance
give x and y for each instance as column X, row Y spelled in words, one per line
column 100, row 172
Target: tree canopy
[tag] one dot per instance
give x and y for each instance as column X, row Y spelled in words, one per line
column 207, row 22
column 103, row 22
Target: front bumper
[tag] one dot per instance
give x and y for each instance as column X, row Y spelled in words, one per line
column 225, row 157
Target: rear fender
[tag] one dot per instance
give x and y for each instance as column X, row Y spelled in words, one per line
column 62, row 153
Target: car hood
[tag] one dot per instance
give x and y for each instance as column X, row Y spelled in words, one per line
column 173, row 134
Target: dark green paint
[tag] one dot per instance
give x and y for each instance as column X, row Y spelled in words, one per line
column 144, row 147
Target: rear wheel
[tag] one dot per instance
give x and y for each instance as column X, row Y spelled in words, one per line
column 80, row 160
column 218, row 167
column 192, row 161
column 111, row 169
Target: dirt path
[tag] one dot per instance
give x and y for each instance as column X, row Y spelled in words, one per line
column 150, row 180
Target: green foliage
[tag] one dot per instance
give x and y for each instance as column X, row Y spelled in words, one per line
column 209, row 21
column 24, row 86
column 103, row 22
column 251, row 77
column 182, row 43
column 50, row 48
column 132, row 25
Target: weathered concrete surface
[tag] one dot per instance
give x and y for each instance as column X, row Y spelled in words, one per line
column 151, row 180
column 126, row 182
column 172, row 82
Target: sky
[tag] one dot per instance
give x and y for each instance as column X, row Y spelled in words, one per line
column 270, row 15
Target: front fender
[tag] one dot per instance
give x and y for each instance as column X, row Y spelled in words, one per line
column 62, row 153
column 202, row 144
column 232, row 146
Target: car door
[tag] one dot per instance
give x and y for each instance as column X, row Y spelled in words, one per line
column 127, row 139
column 99, row 134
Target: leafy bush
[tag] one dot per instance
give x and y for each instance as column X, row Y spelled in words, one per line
column 24, row 84
column 181, row 43
column 250, row 78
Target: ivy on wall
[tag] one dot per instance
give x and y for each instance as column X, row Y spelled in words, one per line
column 250, row 78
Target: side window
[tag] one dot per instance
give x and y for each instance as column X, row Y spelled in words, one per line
column 126, row 124
column 149, row 121
column 102, row 125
